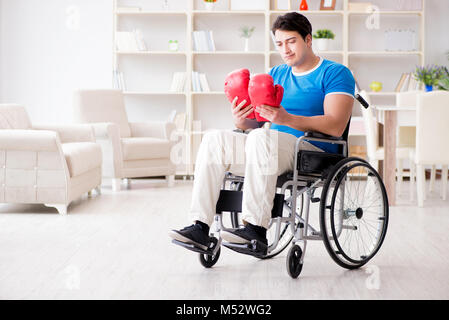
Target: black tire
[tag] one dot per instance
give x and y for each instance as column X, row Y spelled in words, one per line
column 208, row 261
column 294, row 265
column 353, row 210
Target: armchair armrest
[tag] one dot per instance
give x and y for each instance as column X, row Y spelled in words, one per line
column 155, row 129
column 29, row 140
column 69, row 132
column 106, row 130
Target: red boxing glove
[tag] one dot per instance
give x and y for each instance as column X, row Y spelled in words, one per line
column 236, row 85
column 262, row 90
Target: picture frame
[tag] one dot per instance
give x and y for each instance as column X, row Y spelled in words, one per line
column 327, row 4
column 282, row 5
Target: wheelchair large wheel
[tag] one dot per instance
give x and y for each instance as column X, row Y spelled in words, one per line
column 353, row 213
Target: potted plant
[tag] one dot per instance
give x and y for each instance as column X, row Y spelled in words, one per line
column 323, row 38
column 429, row 75
column 246, row 33
column 209, row 4
column 443, row 83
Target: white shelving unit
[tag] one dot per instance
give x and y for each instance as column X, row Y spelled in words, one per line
column 148, row 74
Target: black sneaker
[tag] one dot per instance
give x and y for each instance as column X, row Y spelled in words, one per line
column 193, row 234
column 246, row 234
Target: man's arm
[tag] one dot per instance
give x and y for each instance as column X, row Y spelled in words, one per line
column 247, row 124
column 337, row 111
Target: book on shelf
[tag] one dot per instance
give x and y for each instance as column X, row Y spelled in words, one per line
column 199, row 82
column 203, row 40
column 400, row 83
column 413, row 84
column 130, row 41
column 408, row 82
column 128, row 9
column 118, row 80
column 204, row 83
column 178, row 82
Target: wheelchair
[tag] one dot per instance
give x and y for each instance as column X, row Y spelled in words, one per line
column 353, row 209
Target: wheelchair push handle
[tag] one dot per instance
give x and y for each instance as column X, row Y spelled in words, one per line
column 361, row 100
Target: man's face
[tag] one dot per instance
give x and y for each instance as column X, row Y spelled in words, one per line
column 292, row 46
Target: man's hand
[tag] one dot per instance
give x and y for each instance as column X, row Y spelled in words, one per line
column 276, row 115
column 239, row 114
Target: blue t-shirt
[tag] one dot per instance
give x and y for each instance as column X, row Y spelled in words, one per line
column 304, row 93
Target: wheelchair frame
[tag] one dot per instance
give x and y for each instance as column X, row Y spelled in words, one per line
column 308, row 184
column 300, row 184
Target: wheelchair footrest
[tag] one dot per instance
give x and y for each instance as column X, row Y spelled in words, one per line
column 254, row 248
column 192, row 247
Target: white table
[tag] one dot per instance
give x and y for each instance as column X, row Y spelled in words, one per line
column 392, row 117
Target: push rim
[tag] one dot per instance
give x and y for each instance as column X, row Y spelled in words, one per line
column 357, row 221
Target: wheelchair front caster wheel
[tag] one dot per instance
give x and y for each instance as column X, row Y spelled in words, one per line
column 294, row 265
column 208, row 260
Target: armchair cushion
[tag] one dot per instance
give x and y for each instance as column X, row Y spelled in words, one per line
column 153, row 129
column 145, row 148
column 82, row 157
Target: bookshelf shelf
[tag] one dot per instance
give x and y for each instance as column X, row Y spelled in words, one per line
column 385, row 53
column 208, row 93
column 168, row 93
column 311, row 12
column 228, row 52
column 150, row 13
column 227, row 12
column 365, row 57
column 393, row 13
column 381, row 93
column 143, row 53
column 329, row 52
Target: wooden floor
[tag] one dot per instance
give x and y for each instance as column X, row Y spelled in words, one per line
column 116, row 246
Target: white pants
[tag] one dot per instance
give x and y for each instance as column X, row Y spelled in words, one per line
column 261, row 156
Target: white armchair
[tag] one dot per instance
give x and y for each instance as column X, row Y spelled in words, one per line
column 130, row 150
column 48, row 164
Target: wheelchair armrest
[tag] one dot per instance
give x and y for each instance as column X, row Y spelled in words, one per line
column 319, row 135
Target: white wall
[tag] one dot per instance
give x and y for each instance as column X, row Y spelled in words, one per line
column 437, row 25
column 47, row 52
column 43, row 57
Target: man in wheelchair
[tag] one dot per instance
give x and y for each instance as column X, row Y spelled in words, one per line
column 318, row 97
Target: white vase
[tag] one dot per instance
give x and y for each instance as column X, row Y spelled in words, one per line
column 322, row 44
column 246, row 44
column 209, row 6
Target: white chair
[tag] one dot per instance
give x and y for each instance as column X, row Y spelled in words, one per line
column 432, row 144
column 376, row 153
column 48, row 164
column 130, row 150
